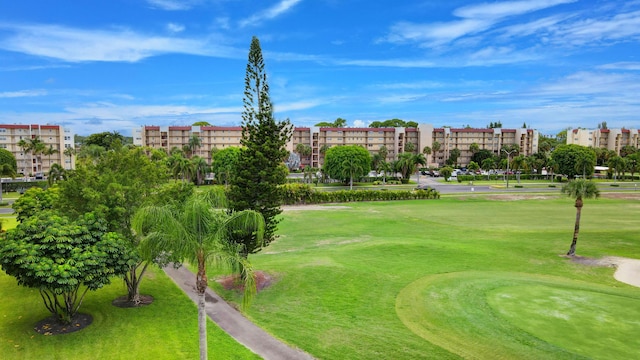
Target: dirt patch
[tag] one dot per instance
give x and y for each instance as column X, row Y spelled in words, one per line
column 51, row 325
column 123, row 302
column 514, row 197
column 232, row 282
column 622, row 195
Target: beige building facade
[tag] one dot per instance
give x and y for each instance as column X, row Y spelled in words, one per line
column 52, row 136
column 610, row 139
column 372, row 139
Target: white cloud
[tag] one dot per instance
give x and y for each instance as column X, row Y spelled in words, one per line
column 172, row 5
column 624, row 65
column 175, row 28
column 474, row 19
column 280, row 8
column 78, row 45
column 22, row 93
column 360, row 123
column 621, row 27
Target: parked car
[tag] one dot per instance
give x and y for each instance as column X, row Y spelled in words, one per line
column 423, row 187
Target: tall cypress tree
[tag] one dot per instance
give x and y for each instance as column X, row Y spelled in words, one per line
column 260, row 169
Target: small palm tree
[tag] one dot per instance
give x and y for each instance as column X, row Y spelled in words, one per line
column 199, row 231
column 70, row 152
column 56, row 173
column 200, row 167
column 350, row 169
column 579, row 189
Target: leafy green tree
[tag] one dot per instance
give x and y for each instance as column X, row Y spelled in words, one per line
column 63, row 259
column 7, row 158
column 409, row 147
column 481, row 155
column 91, row 153
column 200, row 232
column 224, row 163
column 107, row 140
column 454, row 154
column 115, row 187
column 383, row 152
column 579, row 189
column 474, row 148
column 618, row 165
column 34, row 201
column 633, row 161
column 340, row 122
column 261, row 170
column 446, row 172
column 201, row 123
column 628, row 150
column 340, row 159
column 566, row 157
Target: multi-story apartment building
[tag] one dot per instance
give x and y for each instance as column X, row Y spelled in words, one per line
column 31, row 163
column 610, row 139
column 373, row 139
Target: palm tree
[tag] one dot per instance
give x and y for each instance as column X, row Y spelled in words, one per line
column 435, row 147
column 193, row 145
column 24, row 145
column 37, row 148
column 70, row 152
column 56, row 173
column 384, row 168
column 6, row 170
column 579, row 189
column 427, row 151
column 200, row 167
column 488, row 164
column 350, row 169
column 198, row 231
column 50, row 151
column 408, row 164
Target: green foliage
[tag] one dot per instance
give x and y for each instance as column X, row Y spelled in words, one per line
column 341, row 160
column 224, row 163
column 574, row 160
column 7, row 158
column 454, row 154
column 340, row 122
column 107, row 140
column 58, row 257
column 34, row 201
column 393, row 123
column 446, row 172
column 296, row 194
column 201, row 123
column 260, row 165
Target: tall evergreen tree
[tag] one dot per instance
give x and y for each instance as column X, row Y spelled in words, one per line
column 260, row 169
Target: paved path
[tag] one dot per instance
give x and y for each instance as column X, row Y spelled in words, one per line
column 232, row 321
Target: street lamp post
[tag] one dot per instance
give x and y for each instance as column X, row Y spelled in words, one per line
column 508, row 157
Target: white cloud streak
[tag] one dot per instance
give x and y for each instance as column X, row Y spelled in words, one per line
column 171, row 5
column 79, row 45
column 473, row 19
column 22, row 93
column 280, row 8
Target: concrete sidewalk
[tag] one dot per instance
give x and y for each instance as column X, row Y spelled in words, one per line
column 233, row 322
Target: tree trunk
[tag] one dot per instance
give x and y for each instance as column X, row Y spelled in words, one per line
column 201, row 286
column 576, row 230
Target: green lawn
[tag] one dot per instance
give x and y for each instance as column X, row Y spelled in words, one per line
column 166, row 329
column 466, row 277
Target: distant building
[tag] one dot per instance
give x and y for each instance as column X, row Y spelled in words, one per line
column 372, row 139
column 610, row 139
column 53, row 136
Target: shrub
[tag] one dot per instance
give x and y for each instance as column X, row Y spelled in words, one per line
column 295, row 194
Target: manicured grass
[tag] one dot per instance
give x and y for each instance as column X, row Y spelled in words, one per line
column 166, row 329
column 459, row 277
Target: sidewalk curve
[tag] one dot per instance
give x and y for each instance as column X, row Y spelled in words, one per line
column 233, row 322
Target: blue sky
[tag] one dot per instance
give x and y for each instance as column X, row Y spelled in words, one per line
column 114, row 65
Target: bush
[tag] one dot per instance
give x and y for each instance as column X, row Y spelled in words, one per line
column 296, row 194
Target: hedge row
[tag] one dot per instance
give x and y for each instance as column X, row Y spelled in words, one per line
column 462, row 178
column 295, row 194
column 22, row 186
